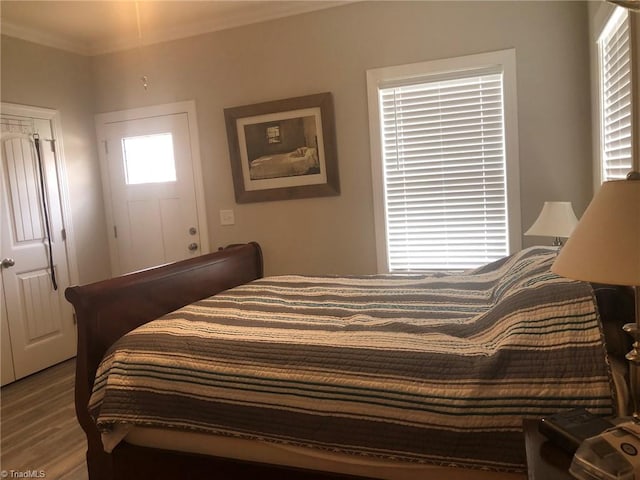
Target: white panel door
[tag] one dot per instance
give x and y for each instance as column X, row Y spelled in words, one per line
column 39, row 321
column 151, row 191
column 7, row 374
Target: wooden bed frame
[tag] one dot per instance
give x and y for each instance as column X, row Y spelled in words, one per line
column 108, row 309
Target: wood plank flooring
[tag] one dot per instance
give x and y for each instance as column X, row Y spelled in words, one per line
column 38, row 427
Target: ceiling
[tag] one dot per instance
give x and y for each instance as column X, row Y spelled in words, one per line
column 95, row 27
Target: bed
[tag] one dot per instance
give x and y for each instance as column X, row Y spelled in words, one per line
column 336, row 377
column 298, row 162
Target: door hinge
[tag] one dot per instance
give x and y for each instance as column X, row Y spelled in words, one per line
column 63, row 233
column 53, row 145
column 106, row 147
column 115, row 231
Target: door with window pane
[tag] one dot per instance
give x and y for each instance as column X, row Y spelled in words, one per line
column 151, row 193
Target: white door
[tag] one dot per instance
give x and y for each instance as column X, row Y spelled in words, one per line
column 7, row 374
column 36, row 317
column 151, row 190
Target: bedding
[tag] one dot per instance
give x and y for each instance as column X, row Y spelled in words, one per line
column 436, row 369
column 298, row 162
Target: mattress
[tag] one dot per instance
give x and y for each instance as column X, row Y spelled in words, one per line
column 305, row 458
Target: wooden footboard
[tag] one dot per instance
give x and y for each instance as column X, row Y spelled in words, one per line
column 107, row 310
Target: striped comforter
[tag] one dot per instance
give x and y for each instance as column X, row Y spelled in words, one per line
column 425, row 368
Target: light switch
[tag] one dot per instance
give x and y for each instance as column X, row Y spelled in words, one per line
column 227, row 217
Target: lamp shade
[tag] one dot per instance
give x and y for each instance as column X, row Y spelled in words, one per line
column 605, row 245
column 556, row 219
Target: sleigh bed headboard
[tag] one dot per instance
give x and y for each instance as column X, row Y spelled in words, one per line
column 106, row 310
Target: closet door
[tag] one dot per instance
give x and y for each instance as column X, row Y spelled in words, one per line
column 6, row 360
column 39, row 320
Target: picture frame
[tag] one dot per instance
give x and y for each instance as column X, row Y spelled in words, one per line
column 283, row 149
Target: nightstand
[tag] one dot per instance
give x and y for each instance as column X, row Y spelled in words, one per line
column 545, row 461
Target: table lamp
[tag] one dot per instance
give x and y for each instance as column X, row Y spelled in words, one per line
column 605, row 248
column 556, row 219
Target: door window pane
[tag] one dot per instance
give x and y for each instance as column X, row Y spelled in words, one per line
column 149, row 159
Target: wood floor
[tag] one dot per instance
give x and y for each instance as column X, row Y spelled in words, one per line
column 38, row 427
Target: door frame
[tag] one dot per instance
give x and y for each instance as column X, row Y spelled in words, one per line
column 68, row 237
column 53, row 116
column 104, row 119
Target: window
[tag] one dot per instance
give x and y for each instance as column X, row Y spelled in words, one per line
column 444, row 160
column 149, row 159
column 273, row 134
column 615, row 97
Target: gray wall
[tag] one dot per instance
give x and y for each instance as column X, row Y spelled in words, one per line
column 330, row 50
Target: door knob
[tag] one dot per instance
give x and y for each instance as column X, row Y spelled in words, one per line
column 7, row 262
column 193, row 246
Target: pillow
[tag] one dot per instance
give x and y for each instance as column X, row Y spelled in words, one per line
column 299, row 152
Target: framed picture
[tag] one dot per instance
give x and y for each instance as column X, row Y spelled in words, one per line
column 283, row 149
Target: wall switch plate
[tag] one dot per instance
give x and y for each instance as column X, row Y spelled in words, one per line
column 227, row 217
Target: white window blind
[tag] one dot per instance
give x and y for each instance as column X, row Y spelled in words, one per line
column 615, row 71
column 444, row 172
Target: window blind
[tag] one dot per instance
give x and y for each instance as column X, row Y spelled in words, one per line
column 444, row 173
column 615, row 69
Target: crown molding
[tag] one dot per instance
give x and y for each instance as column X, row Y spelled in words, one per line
column 42, row 38
column 236, row 18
